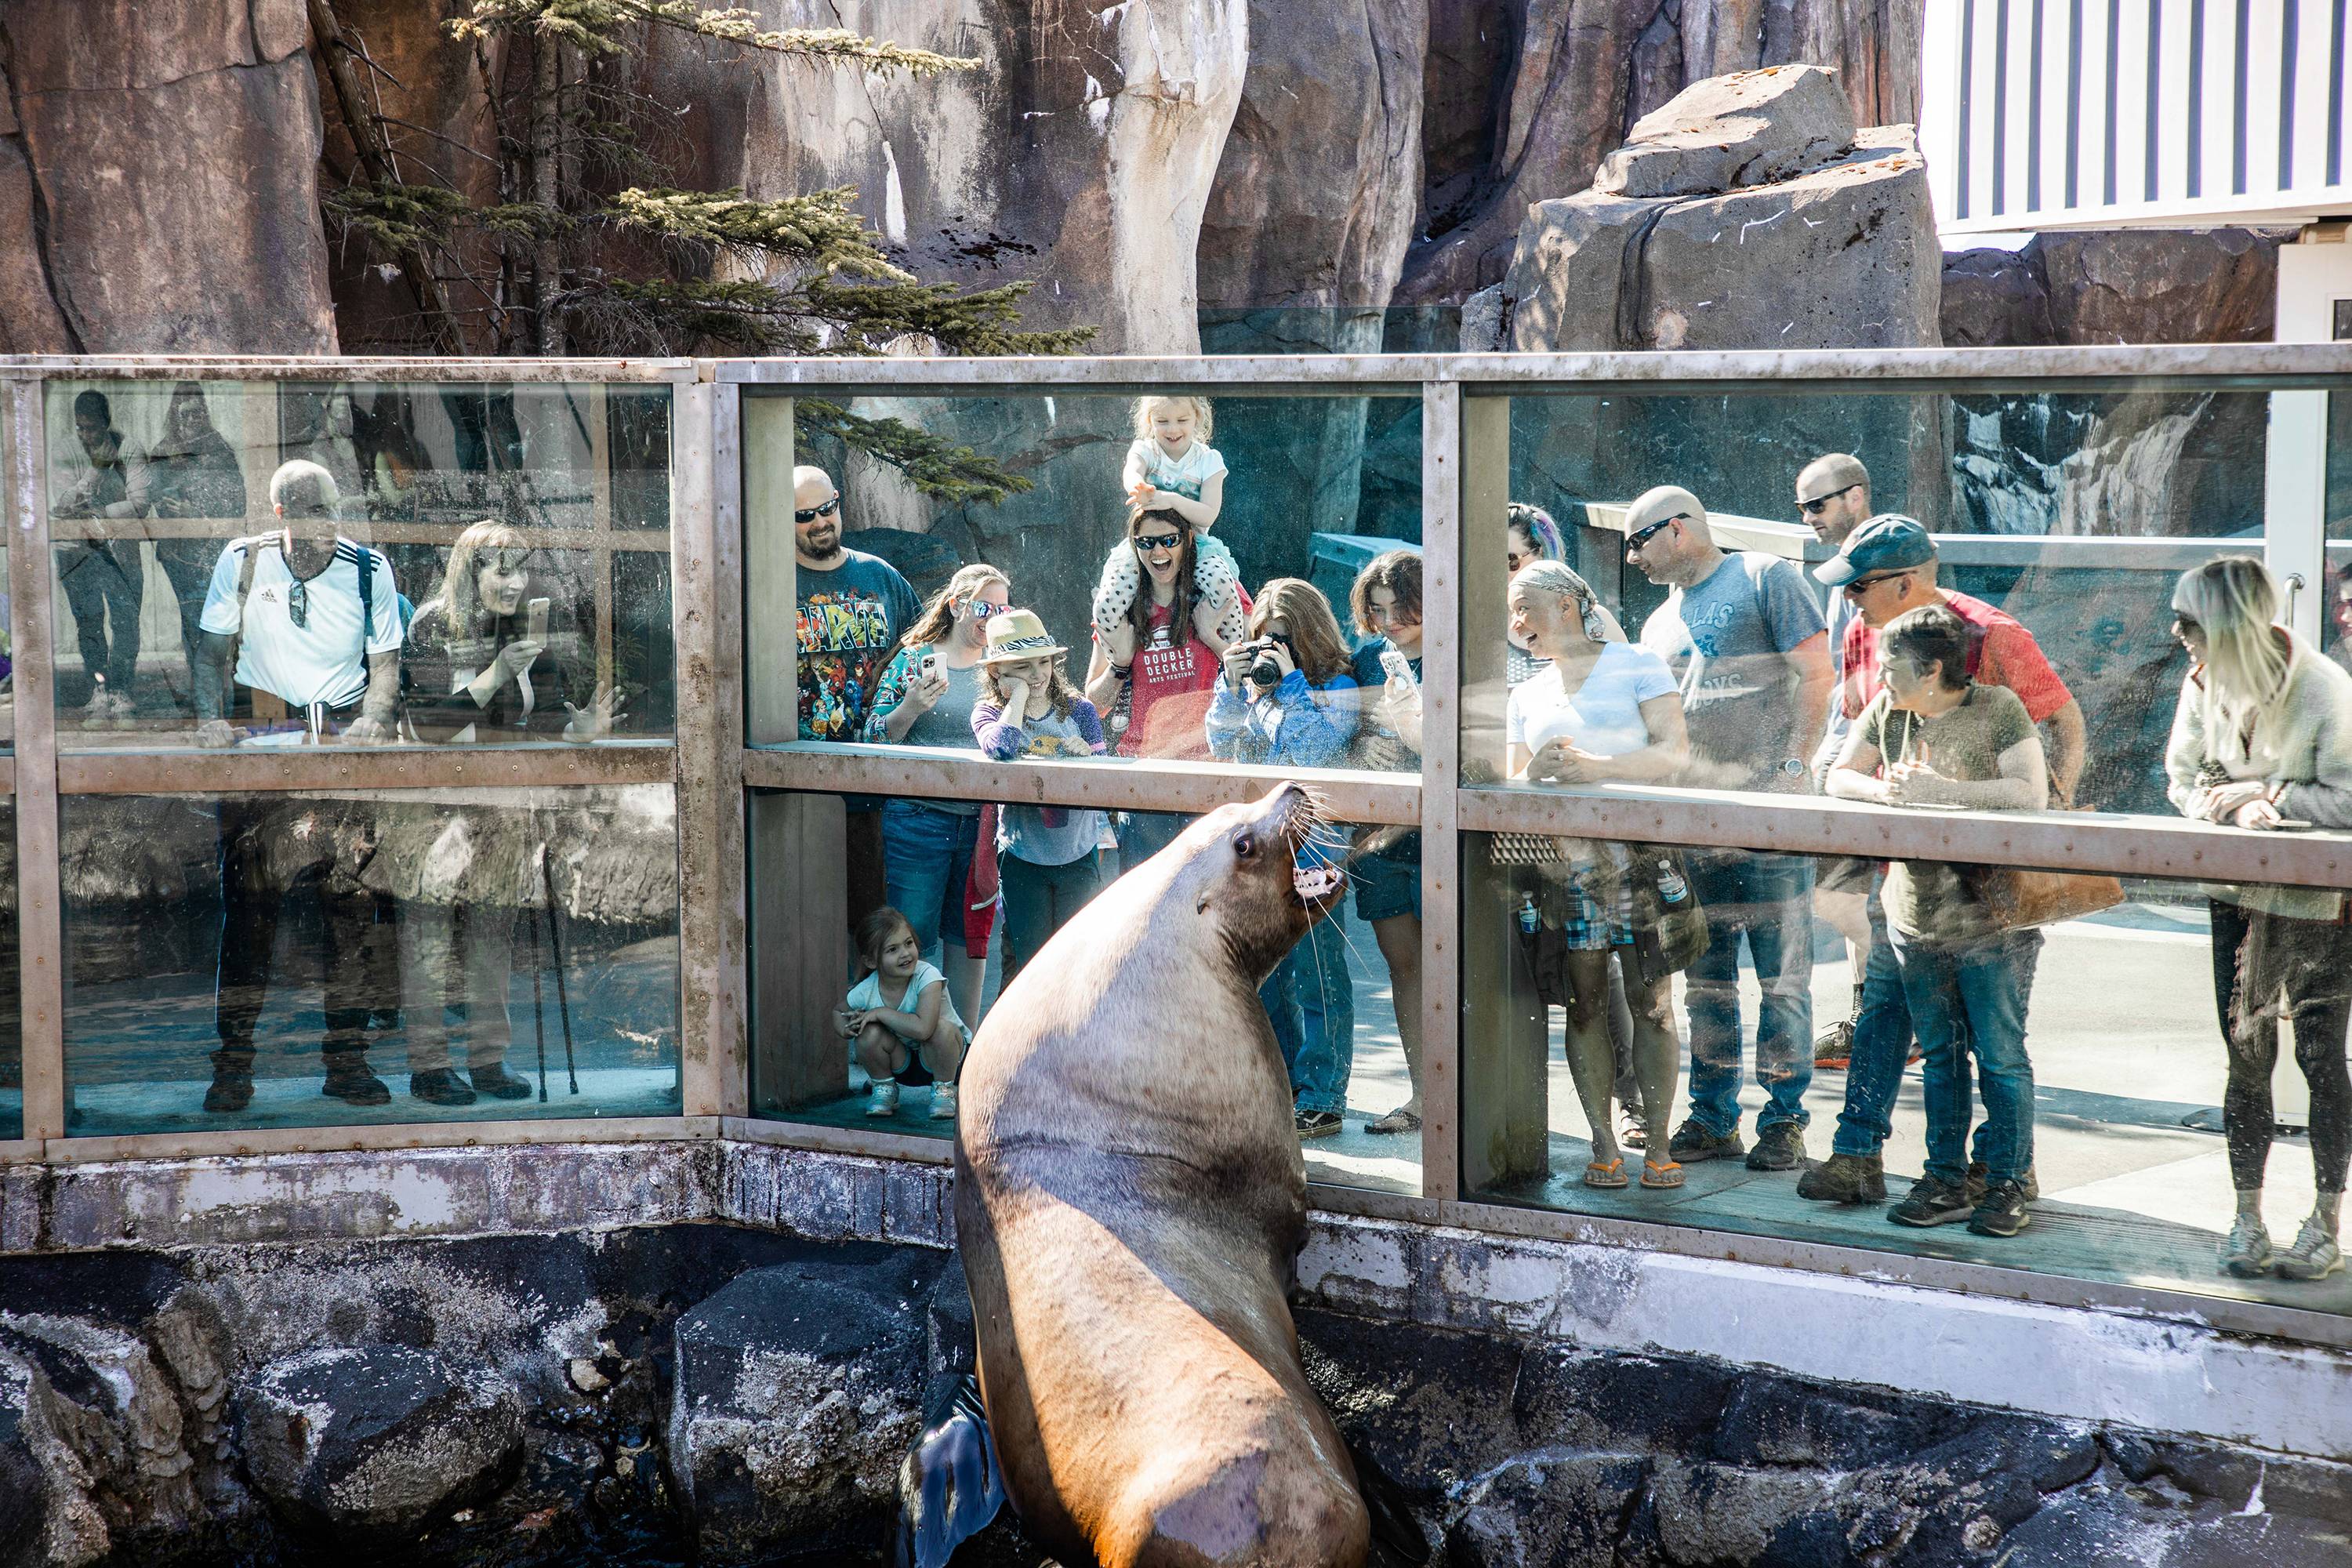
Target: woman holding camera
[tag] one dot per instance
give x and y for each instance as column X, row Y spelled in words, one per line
column 1287, row 699
column 2262, row 740
column 925, row 697
column 496, row 654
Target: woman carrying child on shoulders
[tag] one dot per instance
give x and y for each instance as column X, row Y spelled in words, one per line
column 1171, row 466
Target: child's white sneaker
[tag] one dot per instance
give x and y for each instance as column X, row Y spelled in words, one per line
column 886, row 1098
column 943, row 1102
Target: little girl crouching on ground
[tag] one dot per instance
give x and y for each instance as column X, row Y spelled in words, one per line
column 1171, row 466
column 899, row 1014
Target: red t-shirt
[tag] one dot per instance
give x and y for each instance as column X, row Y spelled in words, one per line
column 2002, row 652
column 1168, row 707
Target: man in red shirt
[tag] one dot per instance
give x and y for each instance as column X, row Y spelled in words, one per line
column 1885, row 567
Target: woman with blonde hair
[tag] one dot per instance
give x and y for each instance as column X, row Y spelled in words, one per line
column 2262, row 739
column 925, row 697
column 497, row 654
column 1595, row 709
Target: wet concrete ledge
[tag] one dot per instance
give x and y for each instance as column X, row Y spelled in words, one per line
column 2168, row 1374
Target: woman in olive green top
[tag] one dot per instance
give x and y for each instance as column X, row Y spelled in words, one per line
column 1936, row 738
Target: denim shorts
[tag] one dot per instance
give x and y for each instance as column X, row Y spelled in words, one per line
column 1388, row 883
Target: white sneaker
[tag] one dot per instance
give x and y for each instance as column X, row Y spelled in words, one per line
column 886, row 1098
column 2314, row 1256
column 943, row 1102
column 2246, row 1251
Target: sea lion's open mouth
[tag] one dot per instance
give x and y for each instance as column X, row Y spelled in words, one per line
column 1317, row 881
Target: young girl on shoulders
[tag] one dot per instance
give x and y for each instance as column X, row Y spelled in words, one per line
column 1171, row 466
column 899, row 1014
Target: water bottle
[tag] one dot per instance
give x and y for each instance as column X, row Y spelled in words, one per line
column 1530, row 919
column 1671, row 885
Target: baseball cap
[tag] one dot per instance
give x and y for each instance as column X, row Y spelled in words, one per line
column 1887, row 542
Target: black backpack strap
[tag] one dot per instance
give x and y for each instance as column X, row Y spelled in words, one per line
column 253, row 548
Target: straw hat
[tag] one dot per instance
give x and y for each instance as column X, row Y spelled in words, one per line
column 1015, row 635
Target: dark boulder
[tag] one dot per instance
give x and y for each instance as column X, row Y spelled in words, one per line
column 798, row 1391
column 376, row 1438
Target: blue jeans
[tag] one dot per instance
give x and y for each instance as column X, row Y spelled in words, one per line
column 1969, row 998
column 1312, row 1002
column 1768, row 901
column 1882, row 1044
column 927, row 867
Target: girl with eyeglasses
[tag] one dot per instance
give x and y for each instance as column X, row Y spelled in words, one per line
column 2262, row 740
column 930, row 848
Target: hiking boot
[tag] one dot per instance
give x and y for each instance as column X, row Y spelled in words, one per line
column 1833, row 1047
column 943, row 1102
column 1779, row 1147
column 886, row 1098
column 1691, row 1142
column 499, row 1084
column 348, row 1080
column 2314, row 1256
column 2246, row 1251
column 2003, row 1213
column 1932, row 1200
column 232, row 1090
column 1845, row 1179
column 439, row 1086
column 1977, row 1173
column 1316, row 1123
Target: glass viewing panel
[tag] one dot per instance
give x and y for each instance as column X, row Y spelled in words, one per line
column 11, row 1053
column 2105, row 1077
column 2058, row 526
column 1245, row 492
column 551, row 500
column 306, row 960
column 981, row 888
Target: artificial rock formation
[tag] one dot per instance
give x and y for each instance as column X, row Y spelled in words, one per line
column 1560, row 85
column 159, row 179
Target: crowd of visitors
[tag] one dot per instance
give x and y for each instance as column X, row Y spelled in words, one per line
column 1900, row 690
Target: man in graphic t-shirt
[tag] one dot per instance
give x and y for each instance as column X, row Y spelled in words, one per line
column 310, row 619
column 1746, row 645
column 852, row 607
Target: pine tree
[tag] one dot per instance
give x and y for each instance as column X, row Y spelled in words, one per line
column 585, row 251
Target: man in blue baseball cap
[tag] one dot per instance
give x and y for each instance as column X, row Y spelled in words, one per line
column 1885, row 567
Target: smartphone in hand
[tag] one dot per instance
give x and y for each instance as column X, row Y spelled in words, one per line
column 535, row 620
column 1394, row 664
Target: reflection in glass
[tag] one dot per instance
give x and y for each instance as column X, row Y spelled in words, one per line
column 2107, row 1047
column 1336, row 1008
column 12, row 1054
column 274, row 959
column 155, row 484
column 1237, row 484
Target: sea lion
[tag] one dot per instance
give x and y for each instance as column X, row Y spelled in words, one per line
column 1129, row 1203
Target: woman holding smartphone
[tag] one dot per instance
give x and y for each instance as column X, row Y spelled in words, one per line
column 925, row 697
column 496, row 654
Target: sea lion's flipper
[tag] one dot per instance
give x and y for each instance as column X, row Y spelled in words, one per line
column 1397, row 1540
column 950, row 1487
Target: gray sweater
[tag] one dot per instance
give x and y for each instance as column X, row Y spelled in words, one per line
column 2303, row 740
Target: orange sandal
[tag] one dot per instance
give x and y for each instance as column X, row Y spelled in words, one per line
column 1669, row 1175
column 1605, row 1173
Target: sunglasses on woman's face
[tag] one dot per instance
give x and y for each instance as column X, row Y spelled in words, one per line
column 981, row 609
column 1147, row 543
column 810, row 513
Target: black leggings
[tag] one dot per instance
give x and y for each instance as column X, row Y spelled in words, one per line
column 2311, row 963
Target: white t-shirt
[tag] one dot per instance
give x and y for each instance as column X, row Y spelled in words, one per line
column 319, row 661
column 866, row 995
column 1182, row 476
column 1604, row 717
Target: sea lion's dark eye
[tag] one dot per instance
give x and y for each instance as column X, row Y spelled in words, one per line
column 1245, row 847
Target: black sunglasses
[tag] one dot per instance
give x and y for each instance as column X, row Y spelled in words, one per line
column 1636, row 541
column 1813, row 507
column 297, row 603
column 1860, row 585
column 2188, row 623
column 810, row 513
column 1148, row 542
